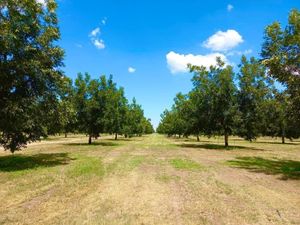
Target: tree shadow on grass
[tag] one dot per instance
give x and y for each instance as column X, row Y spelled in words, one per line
column 13, row 163
column 94, row 144
column 190, row 140
column 276, row 143
column 289, row 169
column 217, row 147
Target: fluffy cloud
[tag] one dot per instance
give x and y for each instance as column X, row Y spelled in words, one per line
column 177, row 63
column 223, row 41
column 131, row 69
column 229, row 7
column 99, row 43
column 95, row 32
column 94, row 35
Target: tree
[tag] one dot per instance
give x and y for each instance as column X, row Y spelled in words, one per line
column 67, row 111
column 217, row 95
column 90, row 103
column 253, row 91
column 30, row 75
column 166, row 125
column 201, row 101
column 148, row 128
column 134, row 120
column 281, row 55
column 277, row 122
column 115, row 109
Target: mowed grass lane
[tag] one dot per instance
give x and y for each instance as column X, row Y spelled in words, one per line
column 151, row 180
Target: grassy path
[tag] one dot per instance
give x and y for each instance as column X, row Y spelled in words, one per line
column 151, row 180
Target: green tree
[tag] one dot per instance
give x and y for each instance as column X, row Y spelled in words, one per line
column 201, row 101
column 217, row 98
column 67, row 111
column 148, row 128
column 253, row 91
column 115, row 109
column 134, row 120
column 277, row 122
column 30, row 77
column 89, row 98
column 281, row 54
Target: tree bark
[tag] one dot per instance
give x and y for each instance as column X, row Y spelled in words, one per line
column 226, row 139
column 198, row 139
column 282, row 139
column 116, row 136
column 90, row 139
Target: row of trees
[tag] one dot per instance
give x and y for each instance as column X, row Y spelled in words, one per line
column 246, row 103
column 37, row 99
column 95, row 106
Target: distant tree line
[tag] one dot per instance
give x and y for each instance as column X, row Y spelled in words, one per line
column 37, row 99
column 95, row 106
column 246, row 103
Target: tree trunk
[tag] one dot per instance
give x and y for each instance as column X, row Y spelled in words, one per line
column 116, row 136
column 226, row 139
column 198, row 139
column 282, row 139
column 66, row 134
column 179, row 136
column 90, row 139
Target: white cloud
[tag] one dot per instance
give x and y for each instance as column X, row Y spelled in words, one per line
column 95, row 32
column 103, row 21
column 99, row 43
column 131, row 69
column 223, row 41
column 95, row 39
column 229, row 7
column 177, row 63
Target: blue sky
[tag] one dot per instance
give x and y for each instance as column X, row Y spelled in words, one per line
column 146, row 44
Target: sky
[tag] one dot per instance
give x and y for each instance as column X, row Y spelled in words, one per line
column 146, row 44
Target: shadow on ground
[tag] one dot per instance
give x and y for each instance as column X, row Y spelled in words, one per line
column 216, row 147
column 277, row 143
column 22, row 162
column 289, row 169
column 94, row 144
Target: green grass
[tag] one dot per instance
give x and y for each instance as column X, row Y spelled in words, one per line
column 288, row 169
column 13, row 163
column 185, row 164
column 167, row 178
column 87, row 166
column 124, row 163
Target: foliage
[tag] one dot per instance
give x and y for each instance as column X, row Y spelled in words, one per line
column 281, row 55
column 30, row 77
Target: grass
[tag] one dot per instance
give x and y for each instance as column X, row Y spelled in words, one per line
column 87, row 166
column 151, row 180
column 288, row 169
column 12, row 163
column 168, row 178
column 124, row 163
column 185, row 164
